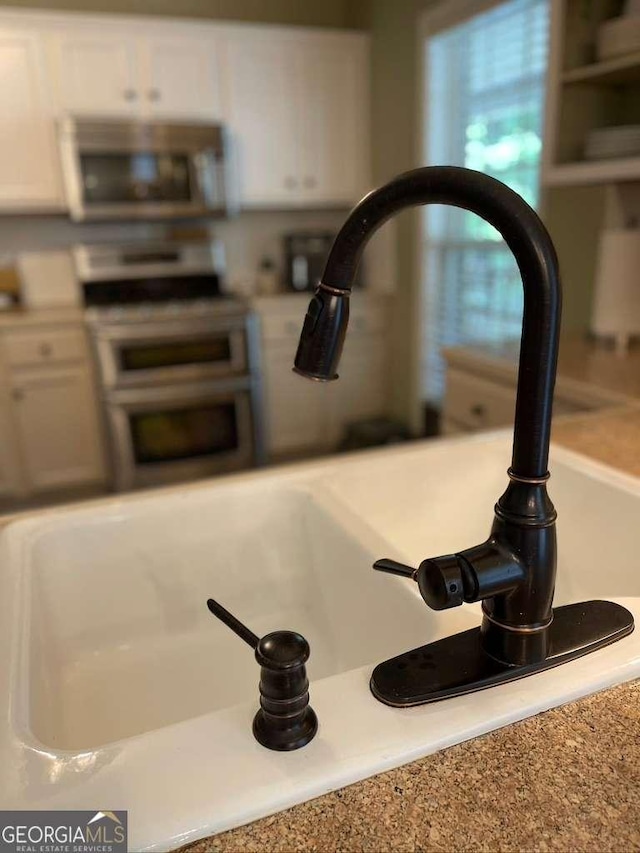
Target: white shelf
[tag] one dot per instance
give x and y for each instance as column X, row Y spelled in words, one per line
column 592, row 172
column 621, row 69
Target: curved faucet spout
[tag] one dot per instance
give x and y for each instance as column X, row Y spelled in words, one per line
column 325, row 325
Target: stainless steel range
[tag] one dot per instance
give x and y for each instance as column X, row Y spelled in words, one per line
column 177, row 362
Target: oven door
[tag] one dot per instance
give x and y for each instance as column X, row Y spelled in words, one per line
column 141, row 354
column 176, row 433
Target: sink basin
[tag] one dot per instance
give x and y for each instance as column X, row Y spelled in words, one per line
column 123, row 692
column 121, row 642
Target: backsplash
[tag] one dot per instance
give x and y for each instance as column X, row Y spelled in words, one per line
column 248, row 237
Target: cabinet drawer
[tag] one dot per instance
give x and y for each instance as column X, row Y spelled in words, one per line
column 37, row 348
column 477, row 403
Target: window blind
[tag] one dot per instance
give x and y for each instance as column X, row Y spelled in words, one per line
column 485, row 90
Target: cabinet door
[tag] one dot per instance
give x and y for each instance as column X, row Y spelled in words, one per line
column 29, row 175
column 97, row 73
column 296, row 408
column 362, row 390
column 57, row 427
column 10, row 480
column 333, row 93
column 181, row 78
column 263, row 117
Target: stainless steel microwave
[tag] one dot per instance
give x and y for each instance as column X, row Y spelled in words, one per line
column 143, row 170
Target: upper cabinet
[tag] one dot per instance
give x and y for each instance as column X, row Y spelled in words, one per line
column 109, row 74
column 295, row 101
column 95, row 73
column 28, row 161
column 263, row 116
column 180, row 77
column 334, row 132
column 298, row 112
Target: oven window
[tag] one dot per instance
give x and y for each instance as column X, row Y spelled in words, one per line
column 153, row 356
column 140, row 177
column 184, row 433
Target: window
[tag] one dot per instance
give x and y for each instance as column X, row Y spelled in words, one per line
column 485, row 90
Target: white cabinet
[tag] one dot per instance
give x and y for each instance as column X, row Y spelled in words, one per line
column 96, row 72
column 28, row 159
column 180, row 77
column 50, row 420
column 334, row 143
column 296, row 408
column 295, row 100
column 263, row 117
column 312, row 416
column 118, row 74
column 298, row 110
column 362, row 390
column 10, row 480
column 57, row 427
column 473, row 403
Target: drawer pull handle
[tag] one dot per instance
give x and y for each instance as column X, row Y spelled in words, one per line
column 478, row 410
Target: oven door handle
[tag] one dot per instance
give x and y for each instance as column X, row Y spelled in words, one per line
column 181, row 393
column 146, row 334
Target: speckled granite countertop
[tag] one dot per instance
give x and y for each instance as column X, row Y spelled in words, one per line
column 568, row 779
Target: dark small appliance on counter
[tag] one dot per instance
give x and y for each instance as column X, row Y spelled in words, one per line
column 305, row 256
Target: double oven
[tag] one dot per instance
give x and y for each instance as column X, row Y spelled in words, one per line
column 177, row 362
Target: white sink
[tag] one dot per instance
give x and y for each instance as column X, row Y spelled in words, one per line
column 124, row 692
column 121, row 641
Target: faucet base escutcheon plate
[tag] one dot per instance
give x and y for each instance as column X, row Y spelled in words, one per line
column 458, row 664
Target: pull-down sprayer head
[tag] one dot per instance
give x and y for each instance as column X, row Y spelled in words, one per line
column 323, row 333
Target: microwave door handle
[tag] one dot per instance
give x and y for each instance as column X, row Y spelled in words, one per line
column 199, row 164
column 72, row 176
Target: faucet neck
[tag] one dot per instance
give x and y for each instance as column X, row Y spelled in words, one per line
column 533, row 250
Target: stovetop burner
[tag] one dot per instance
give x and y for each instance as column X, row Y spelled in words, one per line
column 152, row 281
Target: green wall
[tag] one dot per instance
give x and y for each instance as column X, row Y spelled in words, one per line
column 395, row 117
column 323, row 13
column 574, row 217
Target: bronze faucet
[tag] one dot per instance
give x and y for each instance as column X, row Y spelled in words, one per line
column 513, row 571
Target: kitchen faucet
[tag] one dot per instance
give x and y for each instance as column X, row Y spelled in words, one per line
column 513, row 572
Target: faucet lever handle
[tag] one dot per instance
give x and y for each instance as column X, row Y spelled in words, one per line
column 394, row 568
column 441, row 581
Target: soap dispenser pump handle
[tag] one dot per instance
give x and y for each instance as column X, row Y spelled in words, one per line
column 285, row 720
column 235, row 624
